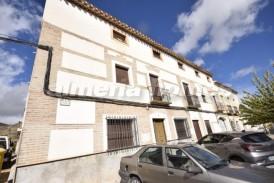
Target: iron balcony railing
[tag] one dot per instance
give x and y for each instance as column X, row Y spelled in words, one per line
column 220, row 107
column 193, row 101
column 236, row 110
column 159, row 95
column 229, row 109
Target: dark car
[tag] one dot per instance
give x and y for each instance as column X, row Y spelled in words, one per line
column 187, row 163
column 251, row 147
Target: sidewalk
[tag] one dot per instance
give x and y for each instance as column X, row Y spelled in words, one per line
column 4, row 175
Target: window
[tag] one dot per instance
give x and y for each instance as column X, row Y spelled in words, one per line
column 209, row 139
column 204, row 98
column 208, row 127
column 256, row 138
column 121, row 133
column 119, row 36
column 177, row 159
column 180, row 65
column 152, row 155
column 121, row 74
column 182, row 128
column 3, row 143
column 207, row 159
column 226, row 138
column 156, row 54
column 197, row 74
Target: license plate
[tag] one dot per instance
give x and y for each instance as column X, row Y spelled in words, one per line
column 271, row 158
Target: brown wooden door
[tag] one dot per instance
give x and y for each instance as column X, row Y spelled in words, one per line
column 156, row 94
column 188, row 97
column 159, row 131
column 197, row 129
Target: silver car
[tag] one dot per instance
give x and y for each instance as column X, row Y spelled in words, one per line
column 187, row 163
column 251, row 147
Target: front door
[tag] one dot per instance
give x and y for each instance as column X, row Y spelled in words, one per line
column 159, row 130
column 197, row 129
column 156, row 93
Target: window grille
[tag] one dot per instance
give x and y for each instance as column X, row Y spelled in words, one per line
column 121, row 132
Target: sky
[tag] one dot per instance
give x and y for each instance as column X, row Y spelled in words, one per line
column 232, row 39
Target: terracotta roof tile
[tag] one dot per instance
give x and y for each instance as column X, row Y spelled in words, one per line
column 83, row 4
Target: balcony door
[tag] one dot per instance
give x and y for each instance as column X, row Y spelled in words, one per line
column 156, row 93
column 159, row 130
column 188, row 97
column 197, row 129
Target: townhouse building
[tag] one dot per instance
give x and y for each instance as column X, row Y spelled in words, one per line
column 104, row 90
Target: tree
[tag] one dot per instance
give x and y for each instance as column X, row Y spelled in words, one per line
column 258, row 108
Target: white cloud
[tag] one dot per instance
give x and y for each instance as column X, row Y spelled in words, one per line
column 19, row 17
column 243, row 72
column 12, row 98
column 16, row 17
column 213, row 25
column 199, row 62
column 248, row 88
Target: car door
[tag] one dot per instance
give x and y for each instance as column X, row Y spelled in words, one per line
column 210, row 142
column 151, row 166
column 177, row 165
column 222, row 148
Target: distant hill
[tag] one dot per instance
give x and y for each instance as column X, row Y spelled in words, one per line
column 10, row 130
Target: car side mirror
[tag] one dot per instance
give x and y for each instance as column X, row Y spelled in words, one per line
column 194, row 169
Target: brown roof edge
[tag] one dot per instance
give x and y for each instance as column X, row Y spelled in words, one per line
column 225, row 87
column 83, row 4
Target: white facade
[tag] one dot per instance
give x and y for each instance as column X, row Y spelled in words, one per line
column 87, row 40
column 84, row 63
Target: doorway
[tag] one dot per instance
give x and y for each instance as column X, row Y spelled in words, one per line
column 156, row 93
column 159, row 130
column 197, row 129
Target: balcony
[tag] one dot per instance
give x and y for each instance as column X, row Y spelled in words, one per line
column 236, row 110
column 221, row 107
column 159, row 96
column 230, row 110
column 193, row 101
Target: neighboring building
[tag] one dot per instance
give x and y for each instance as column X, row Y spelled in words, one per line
column 129, row 90
column 11, row 130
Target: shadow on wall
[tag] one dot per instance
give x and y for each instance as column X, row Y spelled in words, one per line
column 100, row 168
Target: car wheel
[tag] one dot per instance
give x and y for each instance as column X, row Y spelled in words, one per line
column 134, row 179
column 237, row 158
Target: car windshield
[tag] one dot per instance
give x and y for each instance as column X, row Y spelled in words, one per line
column 205, row 157
column 256, row 138
column 3, row 143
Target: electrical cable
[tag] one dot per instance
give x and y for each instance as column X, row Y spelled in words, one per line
column 60, row 95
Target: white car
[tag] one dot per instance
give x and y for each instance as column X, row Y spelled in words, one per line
column 6, row 144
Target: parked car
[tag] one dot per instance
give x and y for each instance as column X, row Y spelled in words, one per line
column 186, row 163
column 252, row 147
column 6, row 144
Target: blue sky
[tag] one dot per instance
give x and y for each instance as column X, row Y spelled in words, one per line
column 232, row 39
